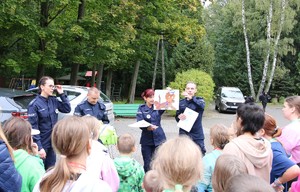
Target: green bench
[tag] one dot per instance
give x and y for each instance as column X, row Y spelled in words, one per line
column 125, row 110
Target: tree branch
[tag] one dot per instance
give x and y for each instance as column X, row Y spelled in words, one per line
column 56, row 15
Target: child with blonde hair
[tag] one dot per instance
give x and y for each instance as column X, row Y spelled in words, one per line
column 226, row 167
column 178, row 163
column 131, row 173
column 99, row 162
column 151, row 182
column 218, row 138
column 72, row 140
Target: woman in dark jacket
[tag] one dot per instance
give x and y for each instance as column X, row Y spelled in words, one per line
column 153, row 135
column 43, row 115
column 10, row 179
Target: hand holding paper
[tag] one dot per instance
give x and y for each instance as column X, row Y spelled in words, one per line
column 143, row 123
column 152, row 127
column 182, row 116
column 189, row 120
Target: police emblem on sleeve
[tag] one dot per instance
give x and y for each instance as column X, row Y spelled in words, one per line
column 148, row 116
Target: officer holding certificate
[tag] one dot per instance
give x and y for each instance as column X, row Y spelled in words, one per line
column 196, row 104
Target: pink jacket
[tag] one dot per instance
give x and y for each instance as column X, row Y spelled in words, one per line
column 295, row 187
column 290, row 139
column 256, row 154
column 102, row 166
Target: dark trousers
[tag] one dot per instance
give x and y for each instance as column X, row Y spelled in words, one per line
column 200, row 143
column 50, row 158
column 147, row 152
column 264, row 105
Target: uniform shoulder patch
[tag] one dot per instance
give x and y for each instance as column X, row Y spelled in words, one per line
column 81, row 103
column 31, row 102
column 102, row 106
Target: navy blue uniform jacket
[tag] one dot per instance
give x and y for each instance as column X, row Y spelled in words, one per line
column 10, row 179
column 98, row 110
column 157, row 136
column 197, row 104
column 43, row 114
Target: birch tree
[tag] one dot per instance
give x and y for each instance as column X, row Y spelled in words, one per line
column 247, row 50
column 163, row 73
column 266, row 62
column 155, row 65
column 281, row 22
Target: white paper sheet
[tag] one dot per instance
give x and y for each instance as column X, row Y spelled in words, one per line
column 141, row 123
column 188, row 123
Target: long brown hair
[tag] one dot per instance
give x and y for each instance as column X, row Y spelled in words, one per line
column 70, row 139
column 18, row 133
column 3, row 138
column 270, row 126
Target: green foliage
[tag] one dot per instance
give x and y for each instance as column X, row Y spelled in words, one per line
column 281, row 100
column 204, row 82
column 197, row 54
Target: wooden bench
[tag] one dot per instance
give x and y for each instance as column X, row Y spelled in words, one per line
column 125, row 110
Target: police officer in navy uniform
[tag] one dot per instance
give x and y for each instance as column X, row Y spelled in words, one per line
column 264, row 98
column 43, row 114
column 153, row 135
column 197, row 104
column 92, row 106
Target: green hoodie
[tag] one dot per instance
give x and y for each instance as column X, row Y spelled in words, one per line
column 30, row 167
column 131, row 174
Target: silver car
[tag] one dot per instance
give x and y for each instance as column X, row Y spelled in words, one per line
column 78, row 94
column 14, row 103
column 228, row 99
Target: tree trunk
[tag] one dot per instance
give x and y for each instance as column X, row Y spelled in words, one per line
column 163, row 63
column 99, row 75
column 108, row 83
column 74, row 72
column 247, row 50
column 266, row 63
column 155, row 65
column 93, row 75
column 42, row 43
column 40, row 71
column 131, row 93
column 282, row 17
column 75, row 66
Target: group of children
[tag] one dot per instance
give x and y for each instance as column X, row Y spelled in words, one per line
column 83, row 163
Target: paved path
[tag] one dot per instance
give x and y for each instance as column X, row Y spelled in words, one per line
column 210, row 118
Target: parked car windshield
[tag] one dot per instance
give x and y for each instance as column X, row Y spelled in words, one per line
column 232, row 94
column 24, row 101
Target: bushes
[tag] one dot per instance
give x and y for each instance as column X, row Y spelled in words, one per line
column 205, row 84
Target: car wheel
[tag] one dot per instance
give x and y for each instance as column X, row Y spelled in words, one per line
column 219, row 109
